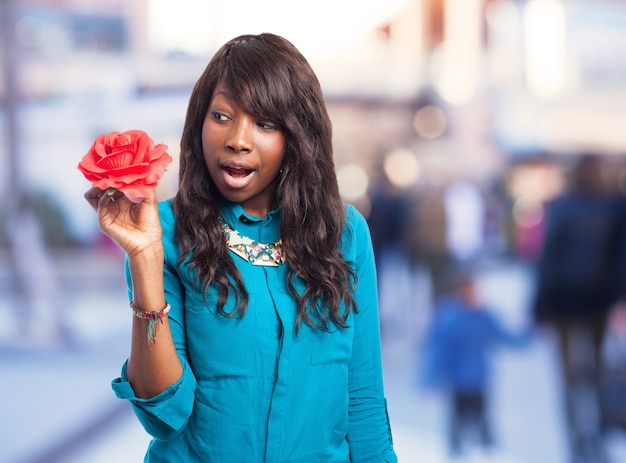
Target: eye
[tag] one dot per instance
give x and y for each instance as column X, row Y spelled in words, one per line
column 218, row 116
column 269, row 126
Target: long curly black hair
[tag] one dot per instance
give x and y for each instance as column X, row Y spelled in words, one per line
column 270, row 78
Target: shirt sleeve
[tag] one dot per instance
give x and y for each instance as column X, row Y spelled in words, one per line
column 432, row 366
column 165, row 415
column 369, row 432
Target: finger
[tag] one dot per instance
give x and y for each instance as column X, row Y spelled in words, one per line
column 117, row 200
column 151, row 198
column 93, row 196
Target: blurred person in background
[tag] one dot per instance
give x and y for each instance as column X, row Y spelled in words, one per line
column 460, row 341
column 388, row 220
column 575, row 289
column 388, row 226
column 261, row 282
column 426, row 232
column 613, row 359
column 613, row 370
column 465, row 218
column 41, row 317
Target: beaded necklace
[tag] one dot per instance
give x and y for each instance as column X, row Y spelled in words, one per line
column 257, row 253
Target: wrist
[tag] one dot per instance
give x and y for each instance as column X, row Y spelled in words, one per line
column 154, row 319
column 146, row 270
column 150, row 255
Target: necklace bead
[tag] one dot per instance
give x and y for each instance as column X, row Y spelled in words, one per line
column 256, row 253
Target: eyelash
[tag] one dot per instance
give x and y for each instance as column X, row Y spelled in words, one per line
column 267, row 125
column 220, row 117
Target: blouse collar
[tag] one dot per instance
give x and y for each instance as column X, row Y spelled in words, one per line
column 240, row 220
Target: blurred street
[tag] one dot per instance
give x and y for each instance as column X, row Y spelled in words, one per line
column 459, row 119
column 59, row 407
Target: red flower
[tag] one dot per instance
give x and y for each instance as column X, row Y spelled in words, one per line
column 128, row 161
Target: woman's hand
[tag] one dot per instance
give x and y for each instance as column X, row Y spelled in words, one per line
column 135, row 227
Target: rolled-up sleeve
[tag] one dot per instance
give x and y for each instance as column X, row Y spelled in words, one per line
column 166, row 414
column 369, row 432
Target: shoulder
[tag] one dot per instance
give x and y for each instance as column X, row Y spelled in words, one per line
column 166, row 213
column 355, row 221
column 356, row 237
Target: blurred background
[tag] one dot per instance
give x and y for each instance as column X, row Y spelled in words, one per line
column 455, row 123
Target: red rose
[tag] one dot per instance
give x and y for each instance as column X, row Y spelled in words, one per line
column 128, row 161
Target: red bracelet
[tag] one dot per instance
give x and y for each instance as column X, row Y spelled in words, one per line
column 152, row 318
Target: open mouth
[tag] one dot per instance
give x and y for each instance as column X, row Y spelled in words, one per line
column 237, row 177
column 238, row 172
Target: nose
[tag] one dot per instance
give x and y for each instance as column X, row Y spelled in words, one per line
column 240, row 137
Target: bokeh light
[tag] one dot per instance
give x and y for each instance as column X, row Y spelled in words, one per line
column 353, row 181
column 401, row 167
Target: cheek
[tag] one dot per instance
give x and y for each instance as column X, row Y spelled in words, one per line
column 279, row 156
column 208, row 145
column 206, row 139
column 276, row 152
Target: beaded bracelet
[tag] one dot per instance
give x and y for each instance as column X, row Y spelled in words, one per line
column 152, row 318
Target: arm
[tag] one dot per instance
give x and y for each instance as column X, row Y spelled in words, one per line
column 136, row 228
column 369, row 432
column 503, row 335
column 164, row 416
column 433, row 353
column 152, row 367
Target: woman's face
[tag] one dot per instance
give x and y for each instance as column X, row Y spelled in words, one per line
column 243, row 153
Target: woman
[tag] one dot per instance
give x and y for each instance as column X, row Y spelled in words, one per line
column 576, row 287
column 258, row 282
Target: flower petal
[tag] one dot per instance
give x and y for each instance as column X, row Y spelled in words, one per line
column 128, row 161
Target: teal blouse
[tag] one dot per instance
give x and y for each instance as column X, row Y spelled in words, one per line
column 253, row 390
